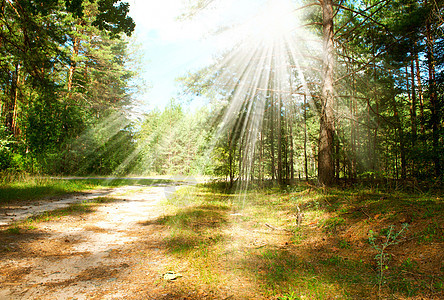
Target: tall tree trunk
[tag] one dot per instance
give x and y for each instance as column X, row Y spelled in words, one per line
column 15, row 128
column 401, row 137
column 434, row 102
column 273, row 167
column 353, row 133
column 11, row 103
column 305, row 139
column 375, row 157
column 420, row 95
column 261, row 156
column 337, row 157
column 279, row 142
column 413, row 105
column 413, row 113
column 290, row 127
column 326, row 170
column 290, row 131
column 73, row 66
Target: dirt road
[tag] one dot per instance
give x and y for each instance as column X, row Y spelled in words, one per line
column 113, row 251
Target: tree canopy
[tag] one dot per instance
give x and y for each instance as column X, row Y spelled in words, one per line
column 354, row 90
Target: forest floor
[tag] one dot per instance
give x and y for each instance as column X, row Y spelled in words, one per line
column 140, row 242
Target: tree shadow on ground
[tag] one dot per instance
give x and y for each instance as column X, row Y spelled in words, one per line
column 193, row 227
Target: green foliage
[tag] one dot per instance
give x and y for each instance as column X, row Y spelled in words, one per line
column 45, row 108
column 31, row 188
column 13, row 230
column 6, row 154
column 174, row 142
column 289, row 296
column 113, row 17
column 382, row 257
column 333, row 224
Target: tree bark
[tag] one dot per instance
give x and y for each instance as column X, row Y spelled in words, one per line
column 434, row 102
column 15, row 128
column 273, row 167
column 400, row 131
column 75, row 53
column 325, row 158
column 279, row 142
column 420, row 95
column 10, row 109
column 413, row 104
column 305, row 139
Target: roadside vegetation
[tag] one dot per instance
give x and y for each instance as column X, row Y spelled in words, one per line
column 24, row 187
column 297, row 242
column 252, row 244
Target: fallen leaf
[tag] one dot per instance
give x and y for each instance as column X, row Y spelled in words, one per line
column 170, row 275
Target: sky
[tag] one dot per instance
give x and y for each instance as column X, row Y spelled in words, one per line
column 170, row 48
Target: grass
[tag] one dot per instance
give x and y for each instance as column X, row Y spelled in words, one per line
column 252, row 244
column 34, row 188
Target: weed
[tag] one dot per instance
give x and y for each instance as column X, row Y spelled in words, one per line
column 382, row 257
column 344, row 210
column 334, row 260
column 433, row 232
column 409, row 264
column 289, row 296
column 429, row 213
column 298, row 236
column 13, row 230
column 343, row 244
column 439, row 285
column 332, row 224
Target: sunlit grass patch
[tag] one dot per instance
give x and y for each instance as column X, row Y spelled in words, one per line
column 34, row 188
column 41, row 188
column 195, row 218
column 188, row 242
column 282, row 273
column 254, row 237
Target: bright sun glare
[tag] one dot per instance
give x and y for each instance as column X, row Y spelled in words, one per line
column 260, row 66
column 264, row 69
column 274, row 21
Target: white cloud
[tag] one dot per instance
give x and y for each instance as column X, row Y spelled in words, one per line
column 161, row 16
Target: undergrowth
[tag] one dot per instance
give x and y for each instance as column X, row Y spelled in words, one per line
column 253, row 240
column 29, row 188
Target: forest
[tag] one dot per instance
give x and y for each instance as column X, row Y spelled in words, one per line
column 370, row 108
column 313, row 170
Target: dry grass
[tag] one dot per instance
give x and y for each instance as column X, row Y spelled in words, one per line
column 251, row 244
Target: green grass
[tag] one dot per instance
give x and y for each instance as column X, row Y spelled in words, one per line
column 223, row 234
column 34, row 188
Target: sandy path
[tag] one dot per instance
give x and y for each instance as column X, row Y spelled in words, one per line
column 91, row 255
column 13, row 213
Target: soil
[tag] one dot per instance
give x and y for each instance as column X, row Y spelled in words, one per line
column 119, row 250
column 113, row 251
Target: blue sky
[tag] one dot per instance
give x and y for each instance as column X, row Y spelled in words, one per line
column 169, row 48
